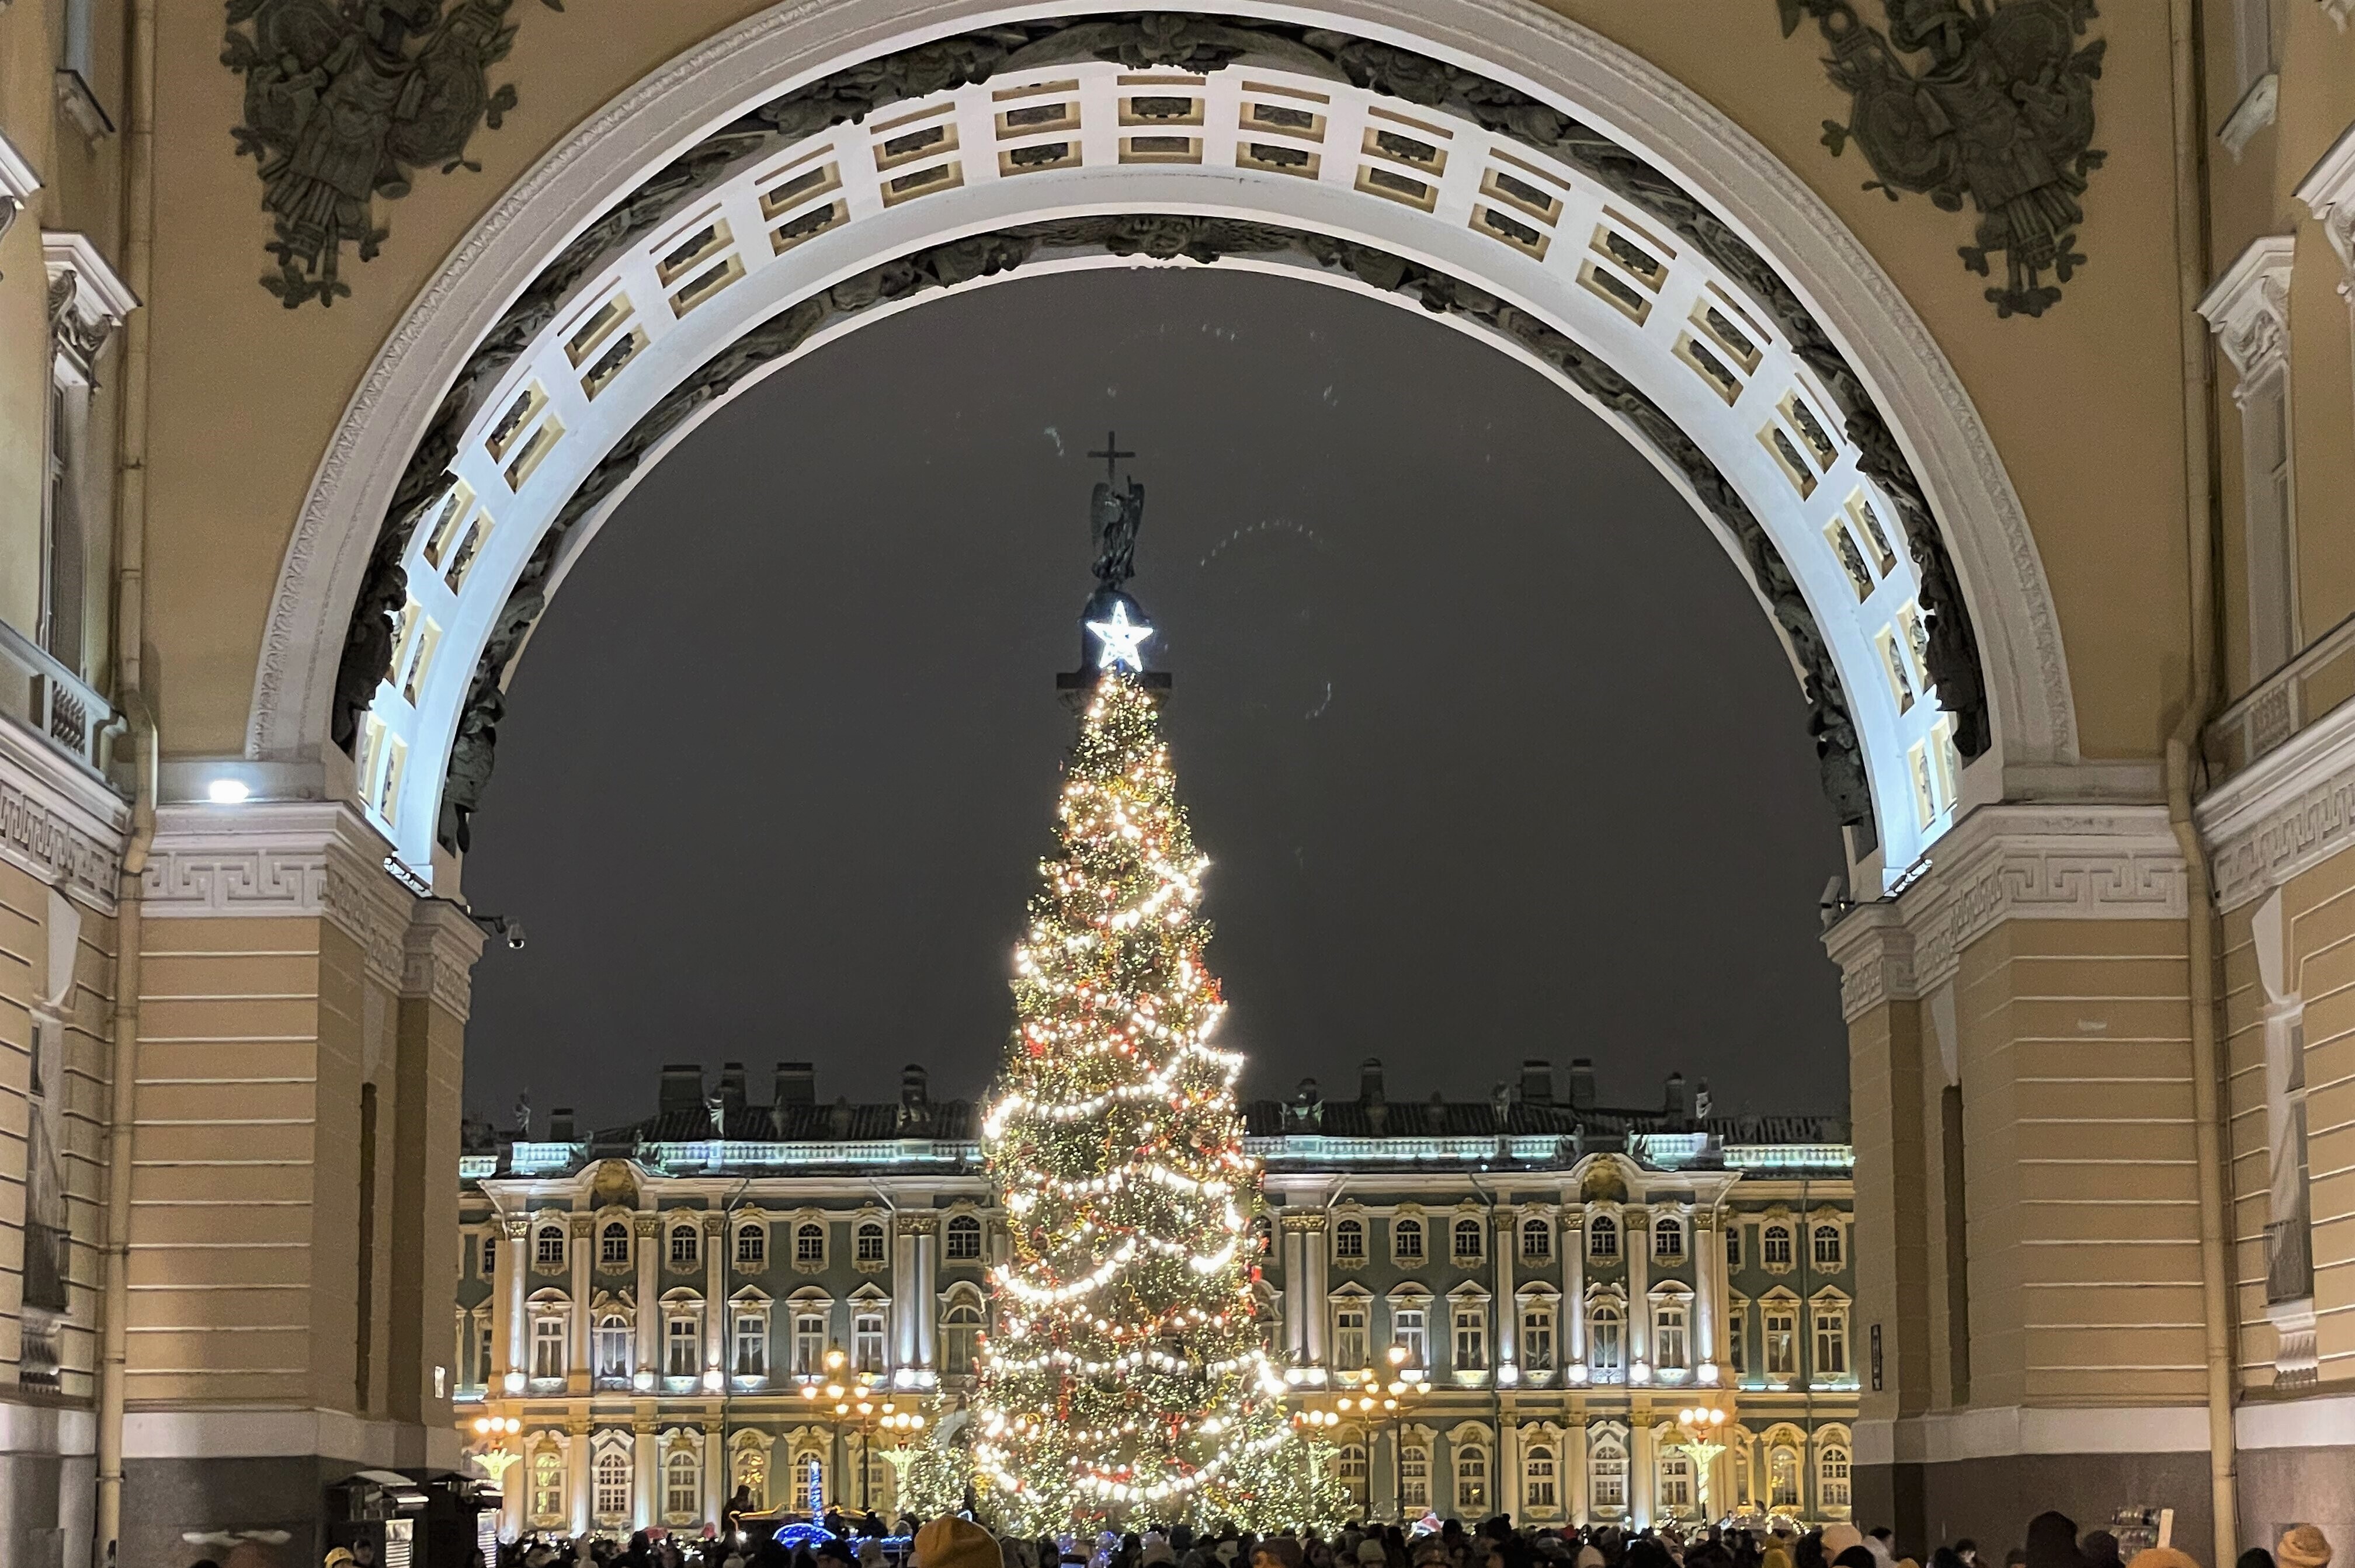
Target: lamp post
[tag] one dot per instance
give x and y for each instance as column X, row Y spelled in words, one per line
column 835, row 1405
column 871, row 1416
column 491, row 1452
column 1311, row 1423
column 903, row 1425
column 1387, row 1401
column 1701, row 1429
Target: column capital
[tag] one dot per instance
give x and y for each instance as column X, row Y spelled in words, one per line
column 1301, row 1220
column 438, row 957
column 514, row 1227
column 583, row 1225
column 647, row 1224
column 917, row 1221
column 2248, row 308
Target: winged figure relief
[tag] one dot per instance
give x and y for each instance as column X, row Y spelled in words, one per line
column 343, row 99
column 2000, row 113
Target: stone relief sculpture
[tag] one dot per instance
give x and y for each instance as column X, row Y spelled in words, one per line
column 343, row 99
column 2001, row 113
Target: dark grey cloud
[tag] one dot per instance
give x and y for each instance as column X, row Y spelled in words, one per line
column 1493, row 751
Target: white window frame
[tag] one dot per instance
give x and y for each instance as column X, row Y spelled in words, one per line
column 964, row 1244
column 751, row 1336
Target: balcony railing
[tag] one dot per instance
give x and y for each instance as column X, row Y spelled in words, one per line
column 2317, row 680
column 52, row 702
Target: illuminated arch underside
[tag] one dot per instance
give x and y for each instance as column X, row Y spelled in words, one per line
column 763, row 244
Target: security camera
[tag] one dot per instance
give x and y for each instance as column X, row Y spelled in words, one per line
column 515, row 933
column 1834, row 901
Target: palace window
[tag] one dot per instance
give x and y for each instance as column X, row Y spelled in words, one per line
column 809, row 1242
column 548, row 1247
column 1606, row 1475
column 1408, row 1333
column 1782, row 1326
column 1782, row 1477
column 1831, row 1477
column 1537, row 1338
column 547, row 1484
column 753, row 1475
column 1774, row 1247
column 1349, row 1344
column 1667, row 1237
column 751, row 1245
column 1827, row 1246
column 548, row 1346
column 614, row 1244
column 809, row 1481
column 484, row 1356
column 613, row 1485
column 682, row 1246
column 1349, row 1469
column 1471, row 1479
column 682, row 1486
column 1349, row 1240
column 1606, row 1335
column 490, row 1255
column 613, row 1346
column 871, row 1243
column 1733, row 1247
column 1471, row 1338
column 866, row 1342
column 1414, row 1478
column 1737, row 1339
column 1669, row 1336
column 680, row 1358
column 964, row 1239
column 809, row 1343
column 751, row 1344
column 1538, row 1484
column 961, row 1339
column 1832, row 1342
column 1467, row 1245
column 1537, row 1240
column 1406, row 1240
column 1603, row 1237
column 1676, row 1480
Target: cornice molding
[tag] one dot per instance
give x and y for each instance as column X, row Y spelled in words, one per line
column 438, row 957
column 2248, row 308
column 17, row 182
column 2292, row 808
column 2328, row 188
column 2001, row 863
column 58, row 823
column 301, row 859
column 87, row 299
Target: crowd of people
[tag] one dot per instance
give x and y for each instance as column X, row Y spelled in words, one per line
column 2050, row 1540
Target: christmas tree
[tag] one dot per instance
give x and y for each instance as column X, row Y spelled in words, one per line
column 1126, row 1381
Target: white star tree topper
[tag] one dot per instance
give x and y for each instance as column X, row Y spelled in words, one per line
column 1118, row 641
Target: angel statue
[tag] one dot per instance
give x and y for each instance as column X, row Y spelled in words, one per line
column 1114, row 518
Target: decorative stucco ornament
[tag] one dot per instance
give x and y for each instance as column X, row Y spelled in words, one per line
column 343, row 101
column 2002, row 114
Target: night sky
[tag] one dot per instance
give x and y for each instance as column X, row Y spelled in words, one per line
column 1492, row 751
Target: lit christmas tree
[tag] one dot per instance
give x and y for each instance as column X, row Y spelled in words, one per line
column 1126, row 1381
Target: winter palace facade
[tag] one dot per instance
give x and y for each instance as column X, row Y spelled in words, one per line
column 649, row 1316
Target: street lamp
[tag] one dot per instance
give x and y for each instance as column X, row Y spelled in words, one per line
column 1701, row 1429
column 491, row 1435
column 1387, row 1401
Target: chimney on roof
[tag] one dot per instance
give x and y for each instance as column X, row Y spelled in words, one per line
column 560, row 1125
column 1435, row 1116
column 1680, row 1104
column 1582, row 1084
column 1537, row 1081
column 912, row 1085
column 839, row 1119
column 682, row 1087
column 796, row 1083
column 732, row 1086
column 1370, row 1082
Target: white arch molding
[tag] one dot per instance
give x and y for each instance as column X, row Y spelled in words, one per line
column 1987, row 535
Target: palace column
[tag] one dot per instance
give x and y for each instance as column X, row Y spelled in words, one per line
column 576, row 1464
column 925, row 1306
column 1573, row 1283
column 1574, row 1464
column 716, row 1243
column 1635, row 1238
column 648, row 1231
column 1707, row 1258
column 907, row 1303
column 1640, row 1462
column 518, row 1230
column 1505, row 1227
column 1312, row 1267
column 645, row 1472
column 580, row 1375
column 715, row 1471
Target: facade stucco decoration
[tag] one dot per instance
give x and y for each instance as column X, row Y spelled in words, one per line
column 344, row 104
column 2002, row 114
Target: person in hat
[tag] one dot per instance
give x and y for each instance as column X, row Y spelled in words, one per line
column 2302, row 1546
column 952, row 1543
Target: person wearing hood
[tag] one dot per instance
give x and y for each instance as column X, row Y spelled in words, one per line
column 2053, row 1542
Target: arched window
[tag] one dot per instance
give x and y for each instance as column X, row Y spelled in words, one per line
column 1467, row 1245
column 1538, row 1482
column 809, row 1482
column 964, row 1240
column 871, row 1241
column 809, row 1242
column 1536, row 1239
column 1606, row 1338
column 1603, row 1237
column 1676, row 1480
column 547, row 1246
column 1414, row 1475
column 1349, row 1469
column 1406, row 1240
column 614, row 1244
column 753, row 1475
column 682, row 1486
column 961, row 1339
column 1349, row 1240
column 1782, row 1477
column 1827, row 1246
column 1606, row 1475
column 613, row 1485
column 1668, row 1352
column 547, row 1484
column 1471, row 1479
column 1774, row 1247
column 1831, row 1477
column 682, row 1246
column 751, row 1245
column 1667, row 1237
column 613, row 1346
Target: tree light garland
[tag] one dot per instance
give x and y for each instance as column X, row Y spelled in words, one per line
column 1126, row 1381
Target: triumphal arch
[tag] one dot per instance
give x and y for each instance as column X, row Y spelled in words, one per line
column 2003, row 346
